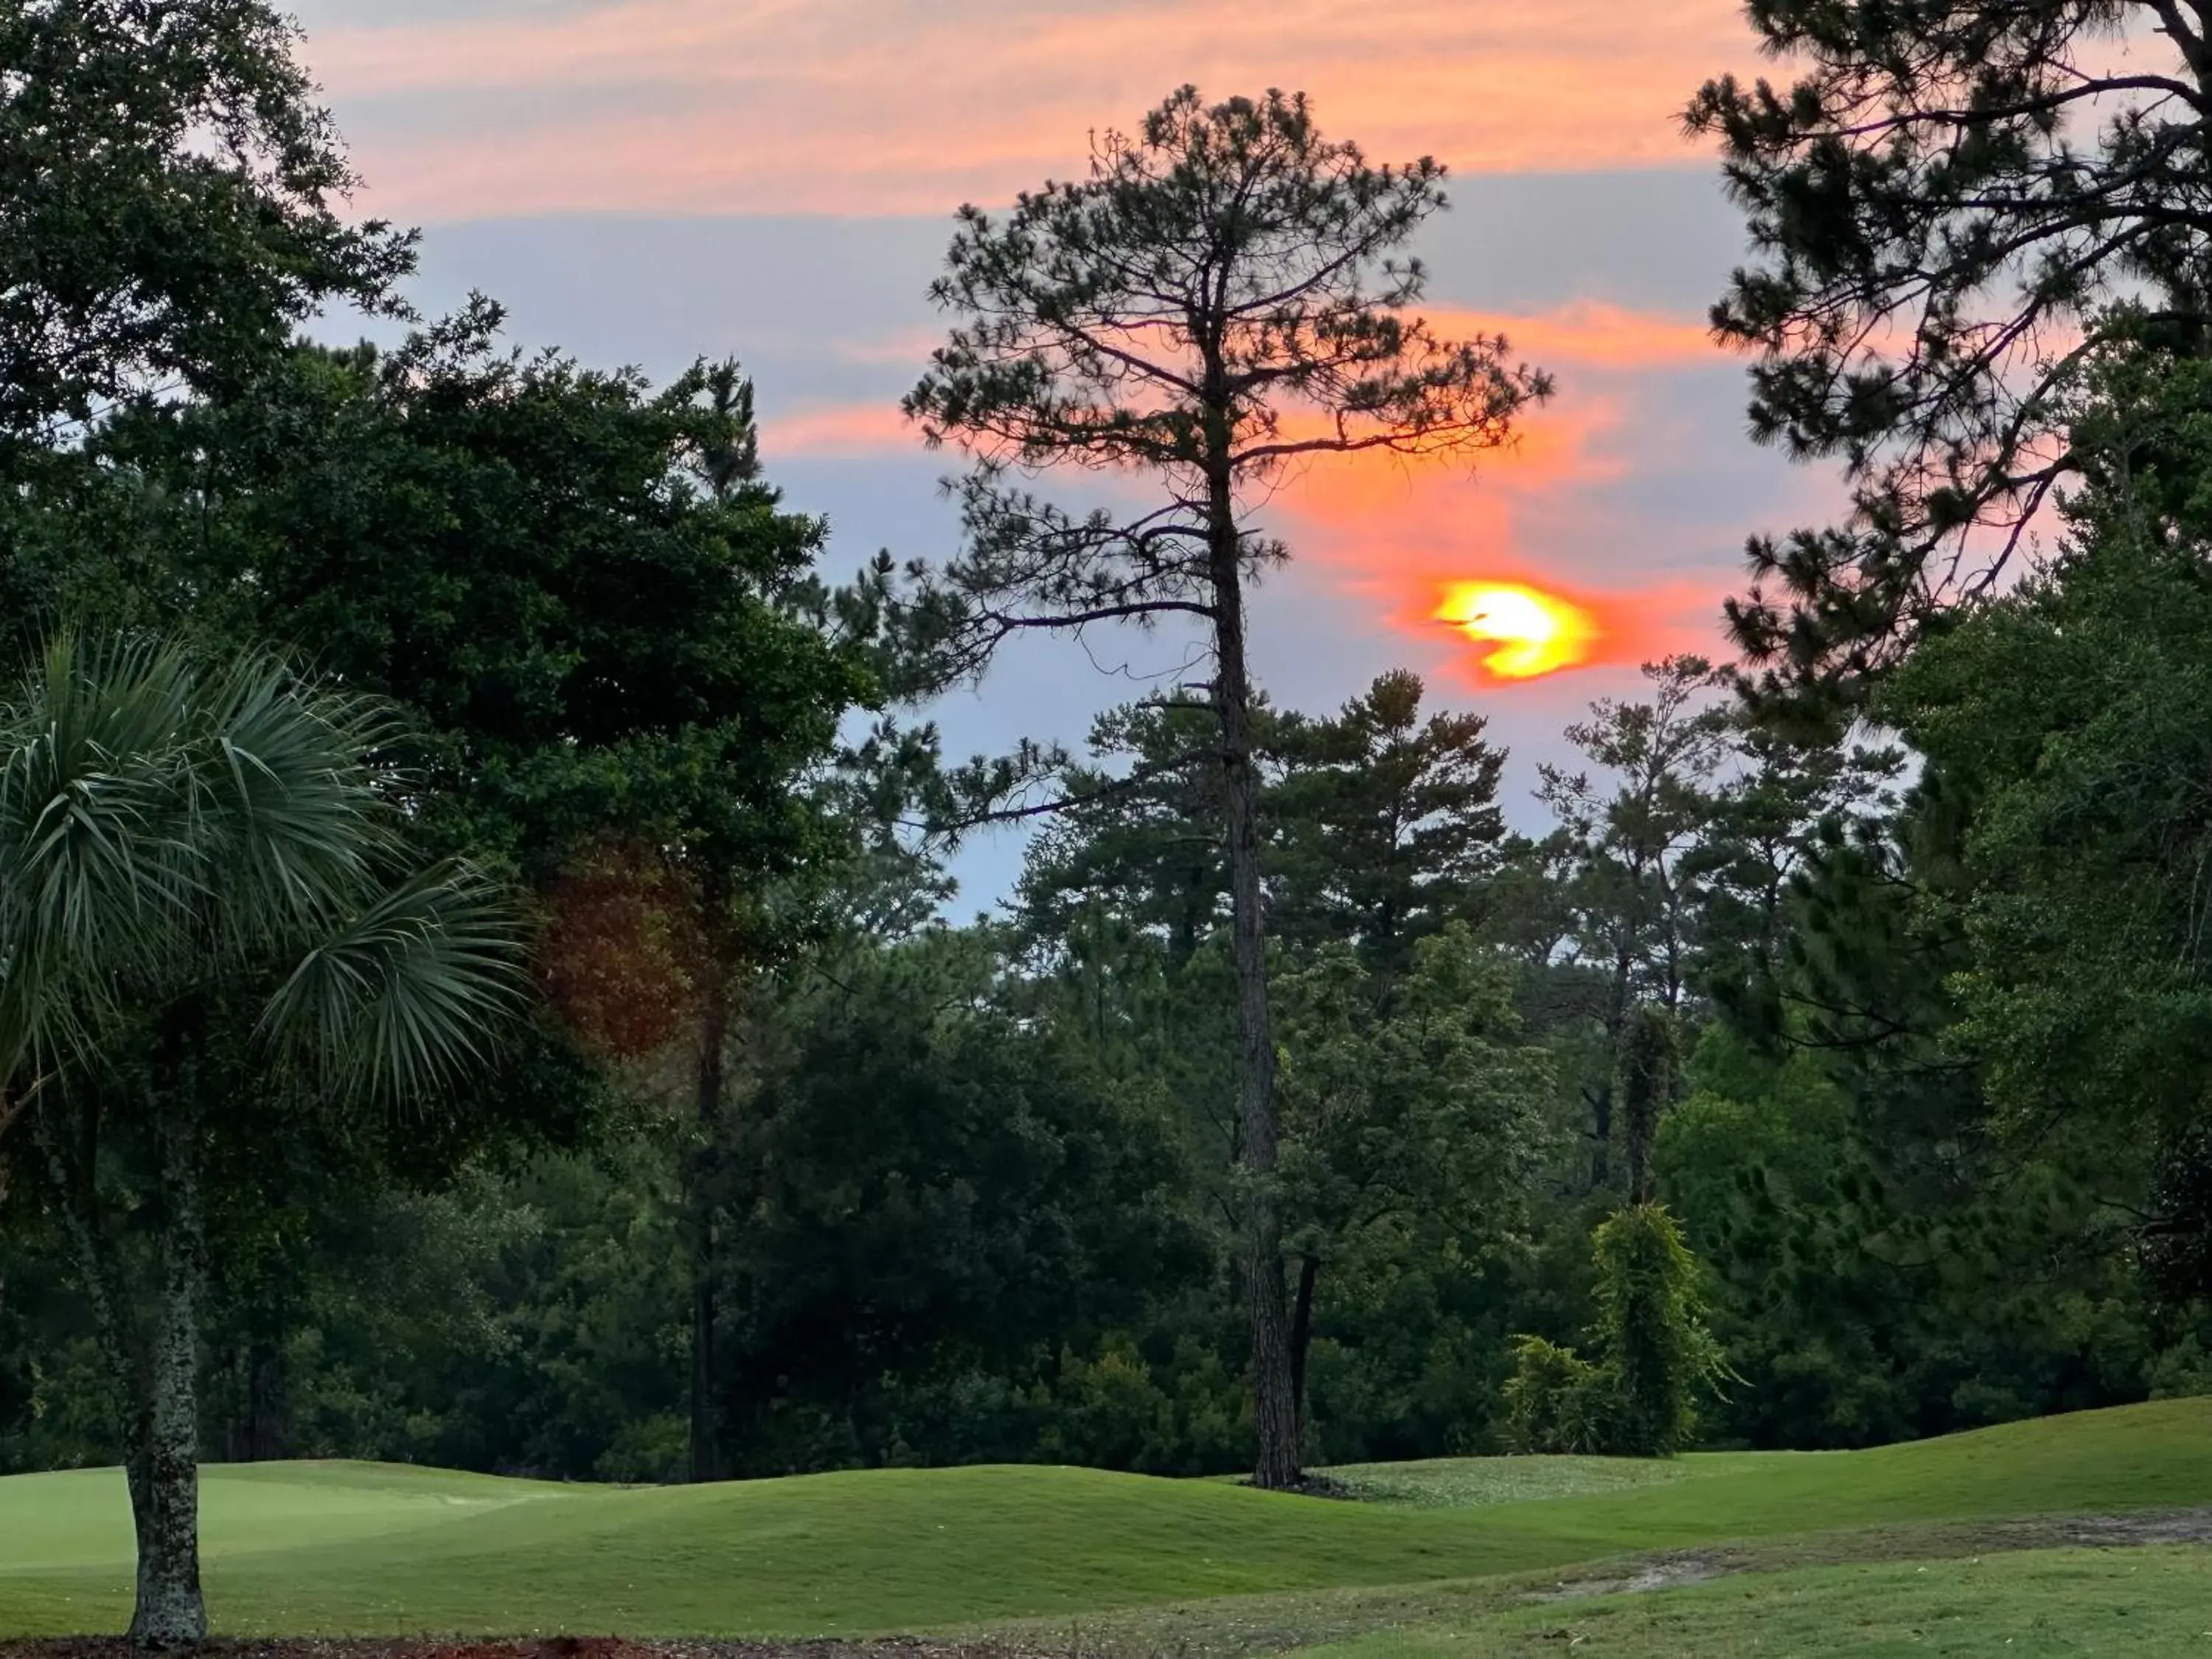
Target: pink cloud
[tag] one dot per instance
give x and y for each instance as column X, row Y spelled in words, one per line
column 1592, row 334
column 1396, row 536
column 899, row 106
column 839, row 430
column 1547, row 510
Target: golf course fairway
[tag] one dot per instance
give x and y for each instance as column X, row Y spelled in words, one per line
column 339, row 1548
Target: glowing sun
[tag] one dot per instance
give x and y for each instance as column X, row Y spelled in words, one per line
column 1536, row 633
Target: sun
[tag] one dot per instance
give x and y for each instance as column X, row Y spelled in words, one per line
column 1536, row 633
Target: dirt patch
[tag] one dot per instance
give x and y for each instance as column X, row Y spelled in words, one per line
column 557, row 1647
column 1672, row 1569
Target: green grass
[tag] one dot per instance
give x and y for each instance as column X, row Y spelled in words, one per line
column 1459, row 1483
column 337, row 1548
column 2146, row 1603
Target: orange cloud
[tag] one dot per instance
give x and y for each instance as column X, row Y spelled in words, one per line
column 839, row 430
column 909, row 106
column 1545, row 513
column 1592, row 334
column 1402, row 536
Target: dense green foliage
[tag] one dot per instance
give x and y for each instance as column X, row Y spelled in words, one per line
column 209, row 915
column 1944, row 201
column 1653, row 1364
column 1782, row 1089
column 174, row 207
column 976, row 1189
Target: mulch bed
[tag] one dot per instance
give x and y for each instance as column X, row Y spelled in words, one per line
column 557, row 1647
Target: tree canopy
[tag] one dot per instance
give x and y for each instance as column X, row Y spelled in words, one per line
column 1942, row 204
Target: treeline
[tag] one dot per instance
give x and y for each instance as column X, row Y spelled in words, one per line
column 1829, row 1071
column 973, row 1190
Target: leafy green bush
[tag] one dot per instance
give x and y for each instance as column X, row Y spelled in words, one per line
column 1639, row 1398
column 2183, row 1372
column 1556, row 1401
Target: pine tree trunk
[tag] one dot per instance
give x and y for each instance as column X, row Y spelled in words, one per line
column 1638, row 1151
column 1274, row 1402
column 1646, row 1083
column 1302, row 1333
column 164, row 1462
column 1616, row 1038
column 706, row 1451
column 705, row 1462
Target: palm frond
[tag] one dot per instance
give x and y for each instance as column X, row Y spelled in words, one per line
column 397, row 1003
column 164, row 823
column 97, row 856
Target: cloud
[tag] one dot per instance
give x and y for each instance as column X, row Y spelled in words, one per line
column 1592, row 334
column 1554, row 512
column 1612, row 496
column 846, row 429
column 888, row 107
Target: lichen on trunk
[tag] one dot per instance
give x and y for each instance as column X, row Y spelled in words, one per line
column 164, row 1466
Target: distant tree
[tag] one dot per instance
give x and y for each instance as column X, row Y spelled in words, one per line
column 1938, row 203
column 228, row 844
column 1386, row 826
column 1419, row 1112
column 1139, row 837
column 1222, row 297
column 936, row 1173
column 171, row 201
column 1626, row 833
column 1762, row 829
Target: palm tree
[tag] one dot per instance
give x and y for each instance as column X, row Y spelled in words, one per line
column 203, row 879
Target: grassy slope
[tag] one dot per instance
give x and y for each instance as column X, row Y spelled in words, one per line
column 311, row 1549
column 2147, row 1603
column 1461, row 1483
column 80, row 1519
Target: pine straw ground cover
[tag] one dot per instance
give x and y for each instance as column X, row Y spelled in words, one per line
column 555, row 1647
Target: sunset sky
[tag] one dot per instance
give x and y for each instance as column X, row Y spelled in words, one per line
column 646, row 180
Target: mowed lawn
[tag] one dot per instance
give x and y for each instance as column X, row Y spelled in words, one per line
column 2143, row 1603
column 341, row 1548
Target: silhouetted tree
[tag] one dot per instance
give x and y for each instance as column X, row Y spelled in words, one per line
column 1938, row 206
column 1224, row 295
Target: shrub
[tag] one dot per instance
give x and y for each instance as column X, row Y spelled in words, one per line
column 1555, row 1401
column 1658, row 1356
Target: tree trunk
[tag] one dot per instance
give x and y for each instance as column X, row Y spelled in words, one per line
column 1275, row 1404
column 705, row 1449
column 1646, row 1083
column 158, row 1401
column 1301, row 1334
column 164, row 1462
column 1616, row 1039
column 257, row 1431
column 1601, row 1135
column 705, row 1454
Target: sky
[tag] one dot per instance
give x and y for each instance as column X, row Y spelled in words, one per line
column 648, row 181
